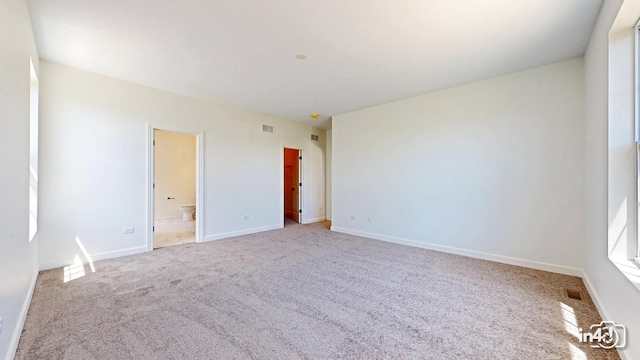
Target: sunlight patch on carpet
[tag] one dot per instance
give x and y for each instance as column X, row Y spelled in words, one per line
column 576, row 354
column 570, row 321
column 74, row 271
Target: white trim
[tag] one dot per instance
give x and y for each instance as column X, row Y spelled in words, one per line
column 199, row 134
column 200, row 186
column 97, row 257
column 315, row 220
column 241, row 232
column 632, row 246
column 149, row 188
column 595, row 297
column 598, row 303
column 117, row 253
column 636, row 80
column 470, row 253
column 22, row 317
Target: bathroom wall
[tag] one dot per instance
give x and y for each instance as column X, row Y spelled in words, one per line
column 175, row 173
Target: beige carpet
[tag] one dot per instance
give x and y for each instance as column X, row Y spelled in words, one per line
column 304, row 292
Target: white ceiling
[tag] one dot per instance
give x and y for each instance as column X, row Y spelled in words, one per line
column 360, row 52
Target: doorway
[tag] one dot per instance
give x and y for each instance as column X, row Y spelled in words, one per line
column 174, row 190
column 292, row 185
column 174, row 187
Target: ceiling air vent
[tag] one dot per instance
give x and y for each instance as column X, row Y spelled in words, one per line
column 314, row 137
column 267, row 128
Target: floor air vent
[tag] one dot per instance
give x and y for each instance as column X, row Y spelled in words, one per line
column 573, row 294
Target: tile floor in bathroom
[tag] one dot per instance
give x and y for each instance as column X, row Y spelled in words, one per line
column 169, row 232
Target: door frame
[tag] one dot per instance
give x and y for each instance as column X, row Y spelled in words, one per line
column 301, row 193
column 199, row 134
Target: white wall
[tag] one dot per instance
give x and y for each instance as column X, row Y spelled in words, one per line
column 622, row 153
column 328, row 177
column 491, row 169
column 608, row 147
column 18, row 256
column 93, row 164
column 175, row 173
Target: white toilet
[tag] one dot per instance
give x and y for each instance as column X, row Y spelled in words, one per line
column 188, row 212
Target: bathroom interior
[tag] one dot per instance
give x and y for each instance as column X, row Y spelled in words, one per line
column 174, row 188
column 292, row 188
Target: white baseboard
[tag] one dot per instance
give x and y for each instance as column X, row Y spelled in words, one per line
column 118, row 253
column 22, row 317
column 598, row 303
column 241, row 232
column 594, row 296
column 96, row 257
column 314, row 220
column 470, row 253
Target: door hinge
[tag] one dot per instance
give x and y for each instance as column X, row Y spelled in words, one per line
column 300, row 158
column 300, row 211
column 154, row 229
column 154, row 143
column 154, row 185
column 300, row 184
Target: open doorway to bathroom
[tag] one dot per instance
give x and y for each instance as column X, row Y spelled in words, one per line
column 174, row 193
column 292, row 186
column 174, row 188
